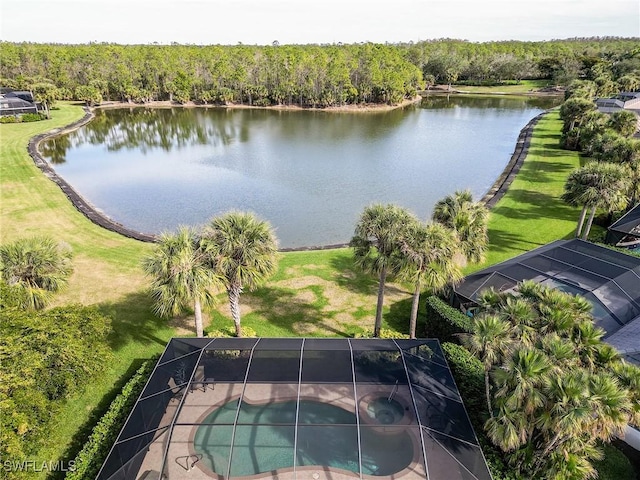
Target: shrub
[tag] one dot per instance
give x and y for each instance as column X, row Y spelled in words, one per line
column 95, row 450
column 231, row 332
column 47, row 356
column 32, row 117
column 384, row 333
column 9, row 119
column 445, row 322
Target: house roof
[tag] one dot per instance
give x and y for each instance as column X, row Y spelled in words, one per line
column 610, row 280
column 629, row 223
column 306, row 407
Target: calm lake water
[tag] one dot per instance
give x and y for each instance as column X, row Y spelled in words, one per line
column 309, row 173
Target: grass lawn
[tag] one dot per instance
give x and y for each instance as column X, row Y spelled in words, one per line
column 106, row 271
column 314, row 293
column 531, row 213
column 525, row 86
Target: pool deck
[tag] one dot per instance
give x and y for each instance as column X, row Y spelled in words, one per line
column 200, row 402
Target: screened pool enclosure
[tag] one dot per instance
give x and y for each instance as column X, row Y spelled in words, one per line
column 298, row 408
column 610, row 280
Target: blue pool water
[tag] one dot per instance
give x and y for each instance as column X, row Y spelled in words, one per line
column 327, row 436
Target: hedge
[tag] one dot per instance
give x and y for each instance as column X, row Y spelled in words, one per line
column 445, row 322
column 94, row 452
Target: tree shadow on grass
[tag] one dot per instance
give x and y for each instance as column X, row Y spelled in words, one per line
column 543, row 172
column 351, row 277
column 536, row 205
column 284, row 309
column 82, row 434
column 506, row 241
column 547, row 152
column 132, row 320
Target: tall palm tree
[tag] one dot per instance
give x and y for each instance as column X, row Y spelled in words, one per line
column 490, row 341
column 242, row 249
column 596, row 185
column 181, row 276
column 37, row 267
column 468, row 219
column 376, row 245
column 428, row 251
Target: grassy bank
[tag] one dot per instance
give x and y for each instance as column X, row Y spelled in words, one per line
column 510, row 88
column 531, row 213
column 313, row 294
column 106, row 270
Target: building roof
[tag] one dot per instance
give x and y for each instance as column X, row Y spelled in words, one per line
column 306, row 407
column 15, row 102
column 610, row 280
column 629, row 223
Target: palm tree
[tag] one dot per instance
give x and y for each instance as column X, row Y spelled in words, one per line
column 596, row 185
column 468, row 219
column 428, row 251
column 181, row 276
column 242, row 249
column 376, row 245
column 37, row 267
column 490, row 341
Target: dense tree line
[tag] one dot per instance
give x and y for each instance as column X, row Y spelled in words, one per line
column 306, row 75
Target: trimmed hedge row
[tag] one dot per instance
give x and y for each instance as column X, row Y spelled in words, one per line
column 95, row 450
column 24, row 118
column 445, row 322
column 469, row 375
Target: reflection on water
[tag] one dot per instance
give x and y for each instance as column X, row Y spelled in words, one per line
column 309, row 173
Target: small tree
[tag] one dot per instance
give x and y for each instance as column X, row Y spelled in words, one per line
column 181, row 276
column 88, row 94
column 35, row 267
column 468, row 219
column 242, row 250
column 428, row 252
column 596, row 185
column 376, row 246
column 624, row 122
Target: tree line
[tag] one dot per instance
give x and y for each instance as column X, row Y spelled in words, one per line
column 304, row 75
column 611, row 180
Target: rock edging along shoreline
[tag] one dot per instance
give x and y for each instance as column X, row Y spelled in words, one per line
column 495, row 193
column 508, row 175
column 76, row 199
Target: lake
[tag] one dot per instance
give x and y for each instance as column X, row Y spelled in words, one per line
column 309, row 173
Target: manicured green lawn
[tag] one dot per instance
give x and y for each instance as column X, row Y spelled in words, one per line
column 315, row 293
column 531, row 213
column 106, row 271
column 525, row 86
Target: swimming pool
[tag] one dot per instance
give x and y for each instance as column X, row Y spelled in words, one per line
column 327, row 436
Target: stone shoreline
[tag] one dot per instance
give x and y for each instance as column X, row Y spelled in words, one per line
column 495, row 193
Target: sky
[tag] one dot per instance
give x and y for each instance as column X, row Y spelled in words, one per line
column 261, row 22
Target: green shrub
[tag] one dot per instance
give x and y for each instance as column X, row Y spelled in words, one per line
column 9, row 119
column 95, row 450
column 384, row 333
column 231, row 332
column 445, row 322
column 33, row 117
column 46, row 356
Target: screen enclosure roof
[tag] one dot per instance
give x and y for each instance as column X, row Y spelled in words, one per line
column 629, row 223
column 610, row 280
column 294, row 408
